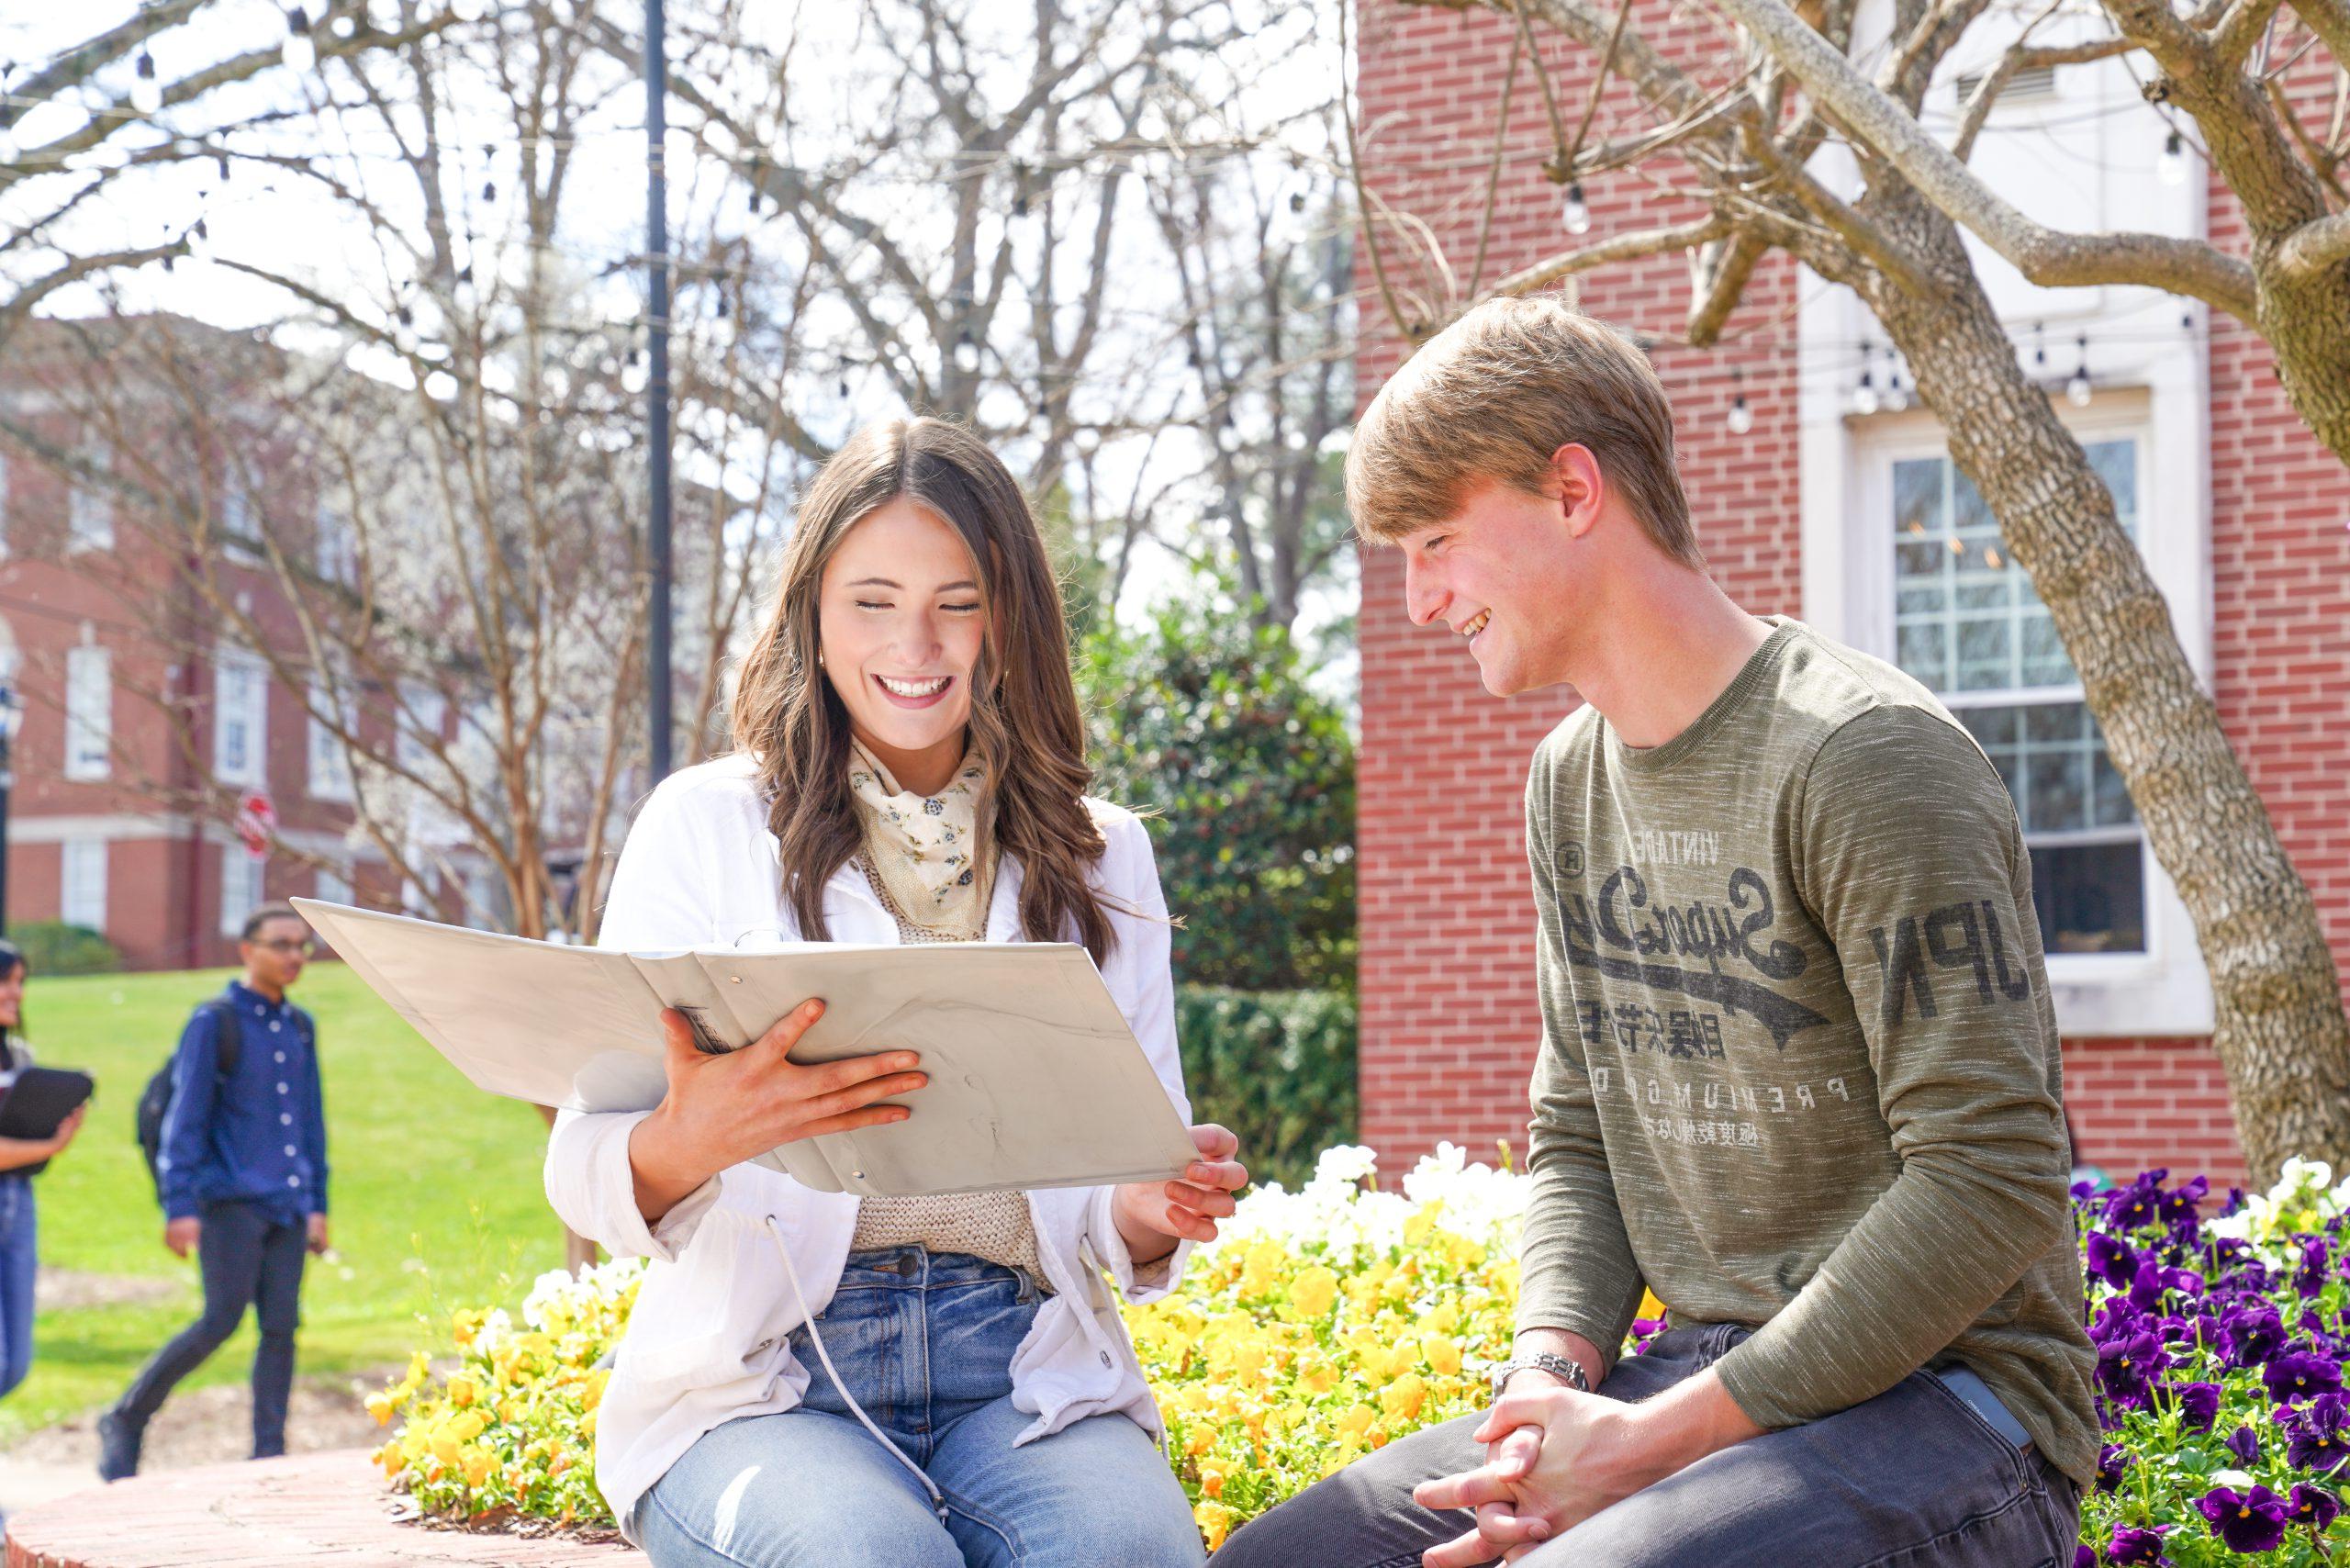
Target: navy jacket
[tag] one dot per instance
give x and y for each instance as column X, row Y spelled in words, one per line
column 259, row 1135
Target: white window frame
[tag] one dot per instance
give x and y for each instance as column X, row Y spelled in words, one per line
column 1848, row 578
column 242, row 882
column 423, row 724
column 253, row 771
column 82, row 883
column 335, row 544
column 89, row 506
column 329, row 759
column 89, row 712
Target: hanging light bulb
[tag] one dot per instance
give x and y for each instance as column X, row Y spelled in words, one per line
column 2039, row 351
column 1574, row 214
column 1864, row 398
column 634, row 375
column 299, row 54
column 488, row 191
column 222, row 159
column 1897, row 396
column 146, row 93
column 967, row 353
column 843, row 389
column 1741, row 417
column 465, row 10
column 199, row 240
column 2077, row 391
column 2171, row 167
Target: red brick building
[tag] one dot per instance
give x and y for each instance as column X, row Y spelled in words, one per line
column 1839, row 505
column 143, row 722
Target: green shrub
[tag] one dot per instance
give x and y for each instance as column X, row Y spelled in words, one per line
column 1208, row 723
column 1278, row 1067
column 53, row 948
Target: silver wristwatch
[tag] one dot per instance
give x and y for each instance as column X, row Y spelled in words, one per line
column 1564, row 1368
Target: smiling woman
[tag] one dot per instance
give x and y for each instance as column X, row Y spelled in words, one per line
column 910, row 769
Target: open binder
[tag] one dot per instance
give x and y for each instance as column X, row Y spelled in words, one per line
column 1035, row 1081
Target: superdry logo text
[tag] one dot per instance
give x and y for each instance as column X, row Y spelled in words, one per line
column 1620, row 933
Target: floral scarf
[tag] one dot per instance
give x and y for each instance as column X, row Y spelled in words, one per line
column 922, row 845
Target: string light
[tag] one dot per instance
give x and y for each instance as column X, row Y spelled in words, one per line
column 1864, row 398
column 1741, row 417
column 967, row 353
column 1574, row 214
column 199, row 240
column 1897, row 398
column 2077, row 391
column 634, row 374
column 146, row 93
column 299, row 54
column 2171, row 167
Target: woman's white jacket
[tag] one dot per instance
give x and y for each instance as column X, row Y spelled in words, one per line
column 707, row 1340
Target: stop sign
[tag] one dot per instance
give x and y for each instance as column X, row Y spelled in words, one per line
column 256, row 820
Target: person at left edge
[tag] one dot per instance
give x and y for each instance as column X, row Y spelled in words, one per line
column 17, row 1230
column 244, row 1172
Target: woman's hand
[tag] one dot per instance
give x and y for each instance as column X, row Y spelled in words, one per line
column 57, row 1140
column 722, row 1110
column 1153, row 1217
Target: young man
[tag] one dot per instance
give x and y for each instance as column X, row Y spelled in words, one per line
column 245, row 1182
column 1799, row 1066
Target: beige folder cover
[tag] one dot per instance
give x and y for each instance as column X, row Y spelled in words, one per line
column 1035, row 1081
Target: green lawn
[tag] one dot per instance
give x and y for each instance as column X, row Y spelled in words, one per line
column 434, row 1191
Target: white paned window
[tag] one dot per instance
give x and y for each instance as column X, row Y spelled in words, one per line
column 240, row 884
column 89, row 714
column 329, row 759
column 1967, row 624
column 424, row 714
column 240, row 719
column 336, row 556
column 81, row 890
column 89, row 505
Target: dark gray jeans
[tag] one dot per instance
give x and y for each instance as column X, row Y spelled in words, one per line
column 250, row 1256
column 1914, row 1478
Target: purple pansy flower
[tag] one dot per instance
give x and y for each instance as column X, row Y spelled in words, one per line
column 2310, row 1277
column 2244, row 1443
column 2253, row 1332
column 2314, row 1437
column 2247, row 1521
column 2300, row 1375
column 2114, row 1262
column 2313, row 1505
column 2125, row 1365
column 2133, row 1543
column 2198, row 1403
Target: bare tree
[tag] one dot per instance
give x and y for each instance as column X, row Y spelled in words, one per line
column 1732, row 139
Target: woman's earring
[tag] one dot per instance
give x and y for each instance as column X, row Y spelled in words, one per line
column 819, row 658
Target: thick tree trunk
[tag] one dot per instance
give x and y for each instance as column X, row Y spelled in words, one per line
column 2280, row 1029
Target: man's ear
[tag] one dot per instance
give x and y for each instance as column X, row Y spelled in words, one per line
column 1579, row 487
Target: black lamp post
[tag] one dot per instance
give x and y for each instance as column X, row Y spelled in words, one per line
column 12, row 718
column 657, row 214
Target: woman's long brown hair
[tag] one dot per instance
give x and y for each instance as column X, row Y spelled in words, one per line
column 1026, row 724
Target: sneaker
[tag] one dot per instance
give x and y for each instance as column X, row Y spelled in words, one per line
column 118, row 1440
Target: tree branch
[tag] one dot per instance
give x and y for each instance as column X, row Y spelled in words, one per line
column 2048, row 257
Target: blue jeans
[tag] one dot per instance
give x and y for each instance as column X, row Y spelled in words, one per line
column 924, row 1340
column 1915, row 1478
column 19, row 1237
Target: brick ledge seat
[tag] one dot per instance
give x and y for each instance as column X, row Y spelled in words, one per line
column 330, row 1509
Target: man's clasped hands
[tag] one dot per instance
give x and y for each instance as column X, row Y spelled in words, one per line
column 1555, row 1456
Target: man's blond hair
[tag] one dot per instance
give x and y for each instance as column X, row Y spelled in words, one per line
column 1492, row 397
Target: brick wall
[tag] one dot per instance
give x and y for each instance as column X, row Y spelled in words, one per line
column 1448, row 1017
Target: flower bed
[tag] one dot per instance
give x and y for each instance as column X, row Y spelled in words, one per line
column 1332, row 1320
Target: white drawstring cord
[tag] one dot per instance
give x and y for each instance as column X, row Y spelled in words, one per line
column 937, row 1499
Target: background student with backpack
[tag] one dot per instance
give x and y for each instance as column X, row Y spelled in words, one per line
column 20, row 1157
column 235, row 1132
